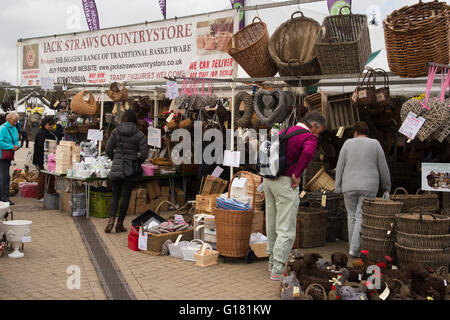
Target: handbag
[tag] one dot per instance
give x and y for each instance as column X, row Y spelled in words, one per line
column 382, row 94
column 130, row 167
column 8, row 154
column 364, row 93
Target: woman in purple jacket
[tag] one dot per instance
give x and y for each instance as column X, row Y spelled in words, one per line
column 282, row 194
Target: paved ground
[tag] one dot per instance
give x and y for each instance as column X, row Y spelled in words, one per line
column 56, row 244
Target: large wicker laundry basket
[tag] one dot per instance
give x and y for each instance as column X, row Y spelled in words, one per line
column 80, row 106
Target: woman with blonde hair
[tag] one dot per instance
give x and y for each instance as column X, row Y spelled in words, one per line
column 9, row 144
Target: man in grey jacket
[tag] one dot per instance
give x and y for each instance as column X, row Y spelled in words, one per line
column 361, row 166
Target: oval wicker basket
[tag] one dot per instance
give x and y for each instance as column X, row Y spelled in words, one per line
column 378, row 233
column 420, row 241
column 249, row 47
column 292, row 48
column 430, row 258
column 423, row 223
column 233, row 228
column 381, row 207
column 80, row 106
column 428, row 202
column 378, row 248
column 378, row 221
column 320, row 181
column 416, row 35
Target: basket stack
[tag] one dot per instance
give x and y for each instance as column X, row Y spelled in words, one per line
column 313, row 227
column 377, row 229
column 428, row 202
column 423, row 238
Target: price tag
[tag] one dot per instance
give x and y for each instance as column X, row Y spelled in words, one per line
column 142, row 242
column 26, row 239
column 360, row 277
column 239, row 182
column 95, row 135
column 385, row 293
column 170, row 117
column 340, row 132
column 240, row 132
column 302, row 194
column 394, row 268
column 171, row 89
column 445, row 282
column 231, row 158
column 154, row 137
column 217, row 172
column 388, row 232
column 56, row 103
column 225, row 123
column 179, row 218
column 321, row 157
column 411, row 125
column 178, row 239
column 296, row 291
column 324, row 200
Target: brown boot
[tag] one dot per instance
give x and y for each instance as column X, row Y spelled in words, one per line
column 120, row 227
column 110, row 224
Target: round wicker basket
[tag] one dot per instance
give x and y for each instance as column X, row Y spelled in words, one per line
column 423, row 223
column 381, row 207
column 420, row 241
column 430, row 258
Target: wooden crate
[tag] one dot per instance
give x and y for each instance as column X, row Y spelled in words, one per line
column 340, row 112
column 205, row 203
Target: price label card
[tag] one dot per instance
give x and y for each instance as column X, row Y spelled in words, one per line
column 179, row 218
column 411, row 125
column 340, row 132
column 56, row 104
column 154, row 137
column 26, row 239
column 239, row 182
column 302, row 194
column 95, row 135
column 385, row 293
column 171, row 89
column 324, row 200
column 170, row 117
column 142, row 242
column 296, row 291
column 231, row 158
column 217, row 172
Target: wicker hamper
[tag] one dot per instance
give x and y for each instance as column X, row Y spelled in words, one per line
column 291, row 46
column 249, row 47
column 428, row 202
column 378, row 233
column 313, row 227
column 430, row 258
column 372, row 220
column 416, row 35
column 155, row 241
column 378, row 248
column 420, row 241
column 423, row 223
column 343, row 44
column 381, row 207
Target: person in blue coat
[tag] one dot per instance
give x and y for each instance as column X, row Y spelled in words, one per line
column 9, row 140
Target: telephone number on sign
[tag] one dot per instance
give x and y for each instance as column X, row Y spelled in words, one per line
column 71, row 79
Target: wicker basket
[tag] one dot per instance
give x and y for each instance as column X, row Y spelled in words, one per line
column 334, row 201
column 430, row 258
column 313, row 227
column 380, row 207
column 83, row 128
column 343, row 44
column 70, row 130
column 292, row 48
column 378, row 248
column 233, row 228
column 116, row 94
column 249, row 47
column 428, row 202
column 208, row 258
column 206, row 203
column 416, row 35
column 213, row 185
column 155, row 241
column 371, row 220
column 420, row 241
column 422, row 223
column 80, row 106
column 378, row 233
column 312, row 169
column 320, row 181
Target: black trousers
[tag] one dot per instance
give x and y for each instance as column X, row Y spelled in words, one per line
column 24, row 139
column 4, row 180
column 120, row 188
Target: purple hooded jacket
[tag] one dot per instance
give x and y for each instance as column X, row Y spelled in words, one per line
column 300, row 151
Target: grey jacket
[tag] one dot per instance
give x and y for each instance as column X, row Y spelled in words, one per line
column 134, row 147
column 361, row 166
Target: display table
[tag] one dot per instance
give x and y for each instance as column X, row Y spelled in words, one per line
column 58, row 177
column 87, row 184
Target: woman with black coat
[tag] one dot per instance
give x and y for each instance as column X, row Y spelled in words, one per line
column 44, row 132
column 127, row 144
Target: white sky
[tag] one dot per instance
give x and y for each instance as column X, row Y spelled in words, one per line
column 33, row 18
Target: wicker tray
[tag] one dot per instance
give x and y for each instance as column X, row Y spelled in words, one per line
column 423, row 223
column 420, row 241
column 430, row 258
column 155, row 241
column 313, row 227
column 381, row 207
column 428, row 202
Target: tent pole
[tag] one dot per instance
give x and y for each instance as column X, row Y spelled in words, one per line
column 102, row 90
column 233, row 87
column 17, row 76
column 155, row 110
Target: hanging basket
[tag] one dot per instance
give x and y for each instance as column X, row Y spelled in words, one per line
column 245, row 120
column 428, row 202
column 116, row 94
column 416, row 35
column 270, row 106
column 381, row 207
column 292, row 48
column 249, row 47
column 343, row 44
column 423, row 223
column 80, row 106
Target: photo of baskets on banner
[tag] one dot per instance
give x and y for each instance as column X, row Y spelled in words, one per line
column 342, row 187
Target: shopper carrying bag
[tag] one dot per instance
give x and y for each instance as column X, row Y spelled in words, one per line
column 128, row 149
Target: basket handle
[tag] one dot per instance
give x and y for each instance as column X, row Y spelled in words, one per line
column 292, row 15
column 254, row 188
column 195, row 240
column 324, row 292
column 420, row 189
column 421, row 219
column 163, row 202
column 385, row 76
column 207, row 245
column 349, row 9
column 253, row 21
column 399, row 188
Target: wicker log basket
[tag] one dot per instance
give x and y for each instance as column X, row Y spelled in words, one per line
column 80, row 106
column 116, row 94
column 233, row 228
column 420, row 241
column 378, row 248
column 381, row 207
column 430, row 258
column 292, row 48
column 379, row 233
column 343, row 44
column 423, row 223
column 428, row 202
column 249, row 47
column 416, row 35
column 313, row 227
column 372, row 220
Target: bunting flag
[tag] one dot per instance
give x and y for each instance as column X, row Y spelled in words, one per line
column 90, row 11
column 239, row 4
column 162, row 5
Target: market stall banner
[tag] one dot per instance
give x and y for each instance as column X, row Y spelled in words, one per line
column 193, row 46
column 91, row 13
column 334, row 6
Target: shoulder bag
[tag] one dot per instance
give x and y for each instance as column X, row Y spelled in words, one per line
column 8, row 154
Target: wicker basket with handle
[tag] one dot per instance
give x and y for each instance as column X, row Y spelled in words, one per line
column 372, row 220
column 378, row 248
column 381, row 207
column 233, row 228
column 423, row 223
column 343, row 44
column 249, row 47
column 80, row 106
column 416, row 35
column 430, row 258
column 313, row 227
column 376, row 232
column 116, row 94
column 421, row 241
column 207, row 257
column 428, row 202
column 320, row 181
